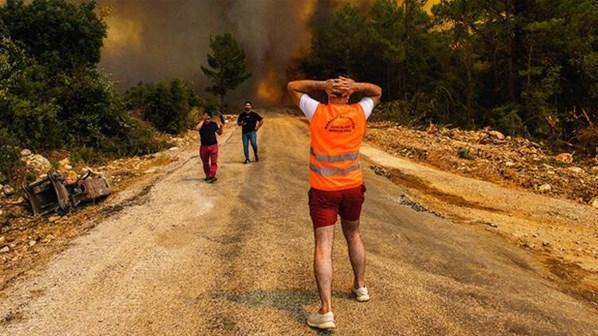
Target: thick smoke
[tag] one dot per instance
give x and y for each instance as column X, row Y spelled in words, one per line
column 162, row 39
column 152, row 40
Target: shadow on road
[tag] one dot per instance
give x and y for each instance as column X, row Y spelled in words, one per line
column 291, row 300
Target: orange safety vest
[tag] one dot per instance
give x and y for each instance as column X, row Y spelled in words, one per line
column 337, row 131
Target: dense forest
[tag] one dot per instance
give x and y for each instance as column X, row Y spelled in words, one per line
column 52, row 96
column 525, row 67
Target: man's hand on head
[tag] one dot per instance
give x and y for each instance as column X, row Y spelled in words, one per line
column 335, row 87
column 348, row 85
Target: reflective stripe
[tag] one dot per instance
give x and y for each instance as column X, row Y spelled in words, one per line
column 335, row 158
column 334, row 171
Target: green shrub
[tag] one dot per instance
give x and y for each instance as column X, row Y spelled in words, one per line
column 169, row 105
column 9, row 156
column 465, row 153
column 507, row 119
column 142, row 138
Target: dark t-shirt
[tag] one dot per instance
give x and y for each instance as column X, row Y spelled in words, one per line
column 207, row 134
column 251, row 119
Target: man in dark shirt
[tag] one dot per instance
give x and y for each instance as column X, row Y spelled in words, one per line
column 208, row 151
column 251, row 122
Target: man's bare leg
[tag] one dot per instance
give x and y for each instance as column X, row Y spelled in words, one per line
column 356, row 251
column 324, row 237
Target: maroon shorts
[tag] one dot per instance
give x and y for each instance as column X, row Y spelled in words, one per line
column 325, row 206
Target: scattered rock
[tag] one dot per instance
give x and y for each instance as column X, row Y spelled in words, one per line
column 379, row 170
column 510, row 164
column 594, row 170
column 497, row 135
column 64, row 163
column 2, row 239
column 545, row 188
column 432, row 129
column 575, row 170
column 5, row 249
column 52, row 219
column 48, row 239
column 545, row 243
column 17, row 201
column 32, row 243
column 151, row 170
column 173, row 148
column 25, row 152
column 564, row 157
column 594, row 202
column 8, row 190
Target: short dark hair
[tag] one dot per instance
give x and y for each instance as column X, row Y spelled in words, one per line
column 341, row 72
column 209, row 113
column 248, row 102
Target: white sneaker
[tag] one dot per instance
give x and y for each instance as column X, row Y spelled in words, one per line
column 361, row 294
column 321, row 321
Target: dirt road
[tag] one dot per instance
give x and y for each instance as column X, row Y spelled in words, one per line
column 234, row 258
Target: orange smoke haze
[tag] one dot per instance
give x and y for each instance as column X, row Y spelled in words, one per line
column 165, row 39
column 268, row 88
column 125, row 34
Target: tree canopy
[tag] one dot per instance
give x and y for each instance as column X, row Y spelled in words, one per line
column 523, row 66
column 227, row 67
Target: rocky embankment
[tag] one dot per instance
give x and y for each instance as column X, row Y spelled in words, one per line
column 492, row 156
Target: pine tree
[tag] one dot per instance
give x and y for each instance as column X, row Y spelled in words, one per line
column 227, row 68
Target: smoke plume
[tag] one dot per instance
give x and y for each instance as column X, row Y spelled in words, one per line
column 163, row 39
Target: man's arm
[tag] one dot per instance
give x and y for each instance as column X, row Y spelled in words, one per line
column 220, row 129
column 239, row 122
column 301, row 87
column 259, row 124
column 199, row 125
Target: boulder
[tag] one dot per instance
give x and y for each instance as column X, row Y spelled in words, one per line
column 594, row 202
column 545, row 188
column 25, row 152
column 37, row 164
column 496, row 135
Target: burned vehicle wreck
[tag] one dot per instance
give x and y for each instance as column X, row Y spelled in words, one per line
column 54, row 193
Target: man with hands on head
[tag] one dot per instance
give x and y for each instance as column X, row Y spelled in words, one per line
column 336, row 132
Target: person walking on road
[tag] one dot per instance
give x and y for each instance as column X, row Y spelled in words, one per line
column 250, row 122
column 336, row 131
column 208, row 151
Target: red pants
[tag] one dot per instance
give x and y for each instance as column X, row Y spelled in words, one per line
column 326, row 206
column 209, row 158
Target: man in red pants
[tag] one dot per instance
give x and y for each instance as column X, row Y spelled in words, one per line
column 208, row 151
